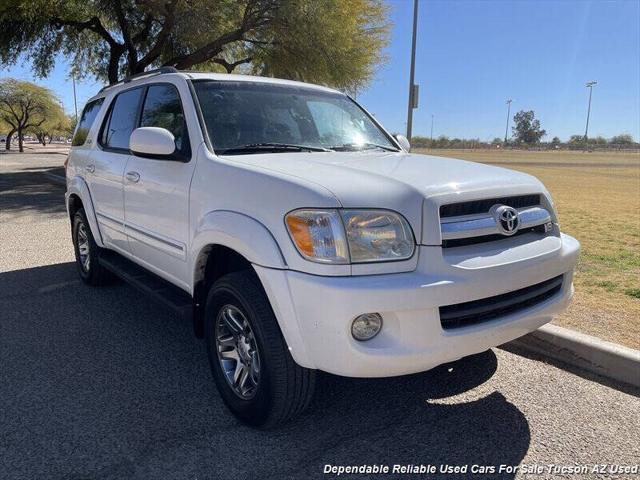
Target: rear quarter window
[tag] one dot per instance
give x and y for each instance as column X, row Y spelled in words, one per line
column 89, row 115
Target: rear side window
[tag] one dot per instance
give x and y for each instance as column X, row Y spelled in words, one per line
column 162, row 108
column 122, row 120
column 89, row 115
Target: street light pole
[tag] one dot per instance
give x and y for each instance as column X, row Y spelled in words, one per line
column 589, row 85
column 432, row 116
column 412, row 87
column 506, row 130
column 75, row 101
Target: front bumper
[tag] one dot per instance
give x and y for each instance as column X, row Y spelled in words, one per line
column 315, row 312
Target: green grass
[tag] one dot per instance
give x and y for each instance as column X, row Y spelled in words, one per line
column 633, row 292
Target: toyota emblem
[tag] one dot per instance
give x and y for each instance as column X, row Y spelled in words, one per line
column 507, row 219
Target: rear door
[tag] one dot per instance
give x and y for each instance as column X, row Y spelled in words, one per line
column 107, row 164
column 79, row 161
column 156, row 191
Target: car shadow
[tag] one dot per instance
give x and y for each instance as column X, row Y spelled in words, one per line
column 28, row 190
column 103, row 383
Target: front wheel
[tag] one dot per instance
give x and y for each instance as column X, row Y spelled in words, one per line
column 255, row 374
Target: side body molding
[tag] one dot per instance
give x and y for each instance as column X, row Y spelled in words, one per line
column 77, row 186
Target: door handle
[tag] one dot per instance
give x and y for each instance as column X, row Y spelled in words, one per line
column 90, row 168
column 133, row 177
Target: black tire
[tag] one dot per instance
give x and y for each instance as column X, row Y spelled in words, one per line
column 284, row 388
column 91, row 273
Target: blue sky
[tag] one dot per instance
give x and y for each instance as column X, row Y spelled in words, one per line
column 474, row 54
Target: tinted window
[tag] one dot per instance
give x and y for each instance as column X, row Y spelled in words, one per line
column 86, row 121
column 338, row 123
column 122, row 120
column 162, row 108
column 237, row 114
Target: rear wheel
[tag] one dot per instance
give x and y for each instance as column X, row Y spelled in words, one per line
column 257, row 377
column 87, row 251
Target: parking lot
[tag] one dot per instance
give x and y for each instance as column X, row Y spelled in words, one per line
column 102, row 383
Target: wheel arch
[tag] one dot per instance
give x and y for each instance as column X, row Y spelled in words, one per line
column 78, row 196
column 213, row 262
column 227, row 241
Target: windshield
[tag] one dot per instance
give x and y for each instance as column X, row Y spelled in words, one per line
column 249, row 117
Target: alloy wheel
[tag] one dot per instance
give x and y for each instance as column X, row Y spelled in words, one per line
column 237, row 351
column 83, row 247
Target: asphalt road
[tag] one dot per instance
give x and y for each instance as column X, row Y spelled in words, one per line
column 103, row 384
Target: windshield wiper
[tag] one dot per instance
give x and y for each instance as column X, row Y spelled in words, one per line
column 354, row 147
column 272, row 147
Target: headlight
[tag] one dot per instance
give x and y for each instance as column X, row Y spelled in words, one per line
column 356, row 236
column 318, row 235
column 377, row 235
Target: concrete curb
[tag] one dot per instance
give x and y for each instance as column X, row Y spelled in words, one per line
column 589, row 353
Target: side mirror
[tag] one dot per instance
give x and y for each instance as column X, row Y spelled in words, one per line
column 404, row 143
column 152, row 142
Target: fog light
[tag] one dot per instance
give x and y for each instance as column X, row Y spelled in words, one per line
column 366, row 326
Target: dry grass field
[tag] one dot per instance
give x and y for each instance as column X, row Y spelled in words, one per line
column 597, row 196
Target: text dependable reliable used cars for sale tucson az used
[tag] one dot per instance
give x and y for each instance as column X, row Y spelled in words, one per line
column 298, row 235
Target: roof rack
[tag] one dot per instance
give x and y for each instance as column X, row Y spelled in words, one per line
column 157, row 71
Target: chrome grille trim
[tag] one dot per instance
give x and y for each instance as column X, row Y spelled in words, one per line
column 482, row 225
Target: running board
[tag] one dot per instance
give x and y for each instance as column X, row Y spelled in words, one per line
column 140, row 278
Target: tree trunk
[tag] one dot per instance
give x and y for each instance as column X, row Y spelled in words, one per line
column 20, row 140
column 114, row 61
column 7, row 145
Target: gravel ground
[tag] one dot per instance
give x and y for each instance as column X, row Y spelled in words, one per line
column 104, row 384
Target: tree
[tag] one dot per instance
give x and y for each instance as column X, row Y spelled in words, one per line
column 334, row 42
column 56, row 123
column 9, row 129
column 71, row 127
column 576, row 139
column 527, row 128
column 420, row 142
column 624, row 138
column 4, row 127
column 442, row 142
column 496, row 141
column 24, row 106
column 555, row 141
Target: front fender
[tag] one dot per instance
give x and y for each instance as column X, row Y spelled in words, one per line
column 239, row 232
column 77, row 186
column 253, row 241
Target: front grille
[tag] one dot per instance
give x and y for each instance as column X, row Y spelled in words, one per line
column 484, row 205
column 461, row 242
column 486, row 309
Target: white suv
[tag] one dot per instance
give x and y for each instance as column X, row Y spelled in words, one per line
column 299, row 235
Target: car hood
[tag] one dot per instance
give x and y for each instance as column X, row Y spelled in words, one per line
column 408, row 183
